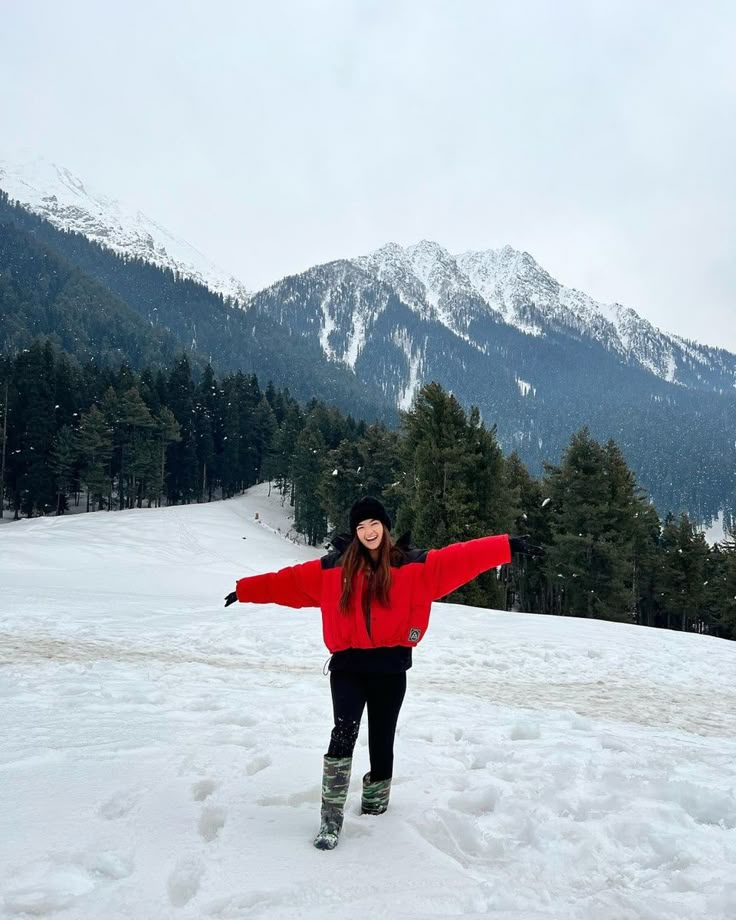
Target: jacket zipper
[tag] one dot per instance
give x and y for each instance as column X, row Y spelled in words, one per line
column 365, row 604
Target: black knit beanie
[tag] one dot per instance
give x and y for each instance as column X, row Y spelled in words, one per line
column 368, row 508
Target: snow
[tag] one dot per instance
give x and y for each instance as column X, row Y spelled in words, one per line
column 356, row 341
column 327, row 328
column 414, row 358
column 430, row 282
column 427, row 260
column 161, row 755
column 391, row 265
column 524, row 387
column 55, row 193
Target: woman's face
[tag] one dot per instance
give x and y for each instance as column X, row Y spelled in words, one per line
column 370, row 533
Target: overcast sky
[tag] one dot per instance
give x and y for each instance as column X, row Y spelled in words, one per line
column 598, row 136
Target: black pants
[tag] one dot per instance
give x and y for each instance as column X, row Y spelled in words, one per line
column 384, row 694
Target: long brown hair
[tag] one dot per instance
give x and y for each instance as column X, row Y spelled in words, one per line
column 357, row 557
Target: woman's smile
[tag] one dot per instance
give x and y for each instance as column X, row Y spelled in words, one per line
column 370, row 534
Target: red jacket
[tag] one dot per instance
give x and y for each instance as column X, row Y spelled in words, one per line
column 423, row 577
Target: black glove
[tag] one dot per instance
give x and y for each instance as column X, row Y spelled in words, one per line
column 522, row 545
column 231, row 598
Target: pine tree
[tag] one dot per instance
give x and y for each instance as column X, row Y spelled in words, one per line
column 35, row 415
column 205, row 407
column 5, row 372
column 137, row 458
column 380, row 465
column 645, row 553
column 95, row 448
column 727, row 613
column 341, row 484
column 681, row 573
column 149, row 392
column 167, row 432
column 64, row 458
column 264, row 429
column 276, row 402
column 433, row 432
column 307, row 465
column 249, row 396
column 183, row 481
column 454, row 487
column 524, row 578
column 589, row 560
column 231, row 480
column 284, row 444
column 717, row 619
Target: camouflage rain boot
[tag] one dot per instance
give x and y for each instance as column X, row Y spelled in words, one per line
column 335, row 782
column 375, row 796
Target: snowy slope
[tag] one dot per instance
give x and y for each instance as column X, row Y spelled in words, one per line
column 57, row 195
column 161, row 755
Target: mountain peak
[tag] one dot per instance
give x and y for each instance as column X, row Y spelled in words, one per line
column 56, row 194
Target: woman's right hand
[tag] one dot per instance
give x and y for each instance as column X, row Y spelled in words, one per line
column 230, row 598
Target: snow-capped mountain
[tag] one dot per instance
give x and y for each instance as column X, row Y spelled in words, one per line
column 430, row 280
column 511, row 286
column 529, row 298
column 461, row 293
column 56, row 194
column 478, row 298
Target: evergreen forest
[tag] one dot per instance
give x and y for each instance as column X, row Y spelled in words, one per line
column 105, row 438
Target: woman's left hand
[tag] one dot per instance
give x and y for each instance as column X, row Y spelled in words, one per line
column 521, row 545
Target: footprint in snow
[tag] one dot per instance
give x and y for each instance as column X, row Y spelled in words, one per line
column 257, row 764
column 456, row 835
column 231, row 734
column 121, row 804
column 56, row 883
column 203, row 789
column 211, row 822
column 184, row 880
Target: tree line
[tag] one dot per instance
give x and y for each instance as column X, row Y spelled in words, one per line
column 115, row 439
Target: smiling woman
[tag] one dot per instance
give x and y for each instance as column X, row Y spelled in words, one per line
column 370, row 533
column 375, row 595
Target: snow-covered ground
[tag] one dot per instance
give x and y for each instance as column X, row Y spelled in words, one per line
column 160, row 756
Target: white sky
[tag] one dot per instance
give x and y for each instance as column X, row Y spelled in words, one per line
column 598, row 136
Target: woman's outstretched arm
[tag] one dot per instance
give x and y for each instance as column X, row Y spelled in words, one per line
column 452, row 566
column 294, row 586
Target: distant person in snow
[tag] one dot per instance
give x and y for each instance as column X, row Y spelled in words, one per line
column 375, row 595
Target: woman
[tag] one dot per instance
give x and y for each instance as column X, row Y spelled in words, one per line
column 375, row 596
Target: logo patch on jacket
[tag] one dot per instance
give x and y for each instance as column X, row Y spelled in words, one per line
column 414, row 635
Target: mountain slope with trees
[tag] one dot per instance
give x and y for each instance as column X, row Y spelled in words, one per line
column 537, row 389
column 174, row 311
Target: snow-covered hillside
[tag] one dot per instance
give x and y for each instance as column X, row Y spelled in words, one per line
column 57, row 195
column 161, row 755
